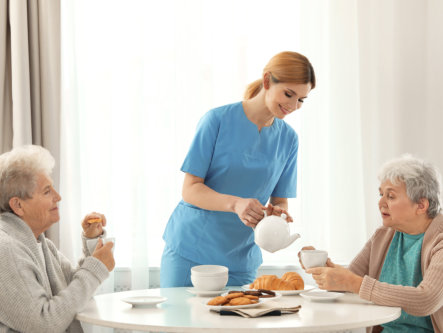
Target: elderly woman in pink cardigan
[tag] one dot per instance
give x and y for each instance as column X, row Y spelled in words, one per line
column 402, row 264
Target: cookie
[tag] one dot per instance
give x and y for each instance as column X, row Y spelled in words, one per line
column 234, row 295
column 236, row 291
column 269, row 292
column 94, row 220
column 252, row 297
column 219, row 300
column 240, row 301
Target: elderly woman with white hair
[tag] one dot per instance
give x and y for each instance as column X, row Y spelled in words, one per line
column 40, row 290
column 402, row 264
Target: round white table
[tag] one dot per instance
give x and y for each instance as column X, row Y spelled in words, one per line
column 184, row 312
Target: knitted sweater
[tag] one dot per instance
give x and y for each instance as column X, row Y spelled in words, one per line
column 37, row 296
column 423, row 300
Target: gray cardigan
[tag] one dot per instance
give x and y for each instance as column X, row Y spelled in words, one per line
column 35, row 299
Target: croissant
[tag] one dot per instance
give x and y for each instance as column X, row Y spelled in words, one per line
column 295, row 278
column 289, row 281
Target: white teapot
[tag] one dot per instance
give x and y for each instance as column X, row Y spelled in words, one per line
column 272, row 233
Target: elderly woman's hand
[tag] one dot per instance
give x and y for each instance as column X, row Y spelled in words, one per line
column 104, row 254
column 93, row 230
column 335, row 277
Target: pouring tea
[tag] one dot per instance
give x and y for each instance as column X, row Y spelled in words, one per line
column 272, row 233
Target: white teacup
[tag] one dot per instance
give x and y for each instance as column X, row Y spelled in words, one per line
column 109, row 239
column 313, row 258
column 92, row 243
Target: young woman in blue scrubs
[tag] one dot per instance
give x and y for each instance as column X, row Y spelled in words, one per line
column 243, row 156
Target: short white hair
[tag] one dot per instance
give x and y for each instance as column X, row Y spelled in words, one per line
column 19, row 169
column 422, row 180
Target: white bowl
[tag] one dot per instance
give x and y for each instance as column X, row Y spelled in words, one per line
column 207, row 283
column 209, row 270
column 314, row 258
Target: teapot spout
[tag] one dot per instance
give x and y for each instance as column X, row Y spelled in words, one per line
column 292, row 239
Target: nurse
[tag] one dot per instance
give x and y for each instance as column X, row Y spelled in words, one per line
column 243, row 156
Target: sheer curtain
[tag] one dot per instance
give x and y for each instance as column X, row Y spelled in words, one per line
column 331, row 174
column 30, row 78
column 379, row 70
column 137, row 77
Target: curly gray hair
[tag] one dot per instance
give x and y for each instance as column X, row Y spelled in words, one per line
column 422, row 180
column 19, row 169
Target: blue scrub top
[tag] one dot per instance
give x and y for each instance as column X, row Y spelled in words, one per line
column 234, row 158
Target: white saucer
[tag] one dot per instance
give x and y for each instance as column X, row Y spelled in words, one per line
column 205, row 292
column 144, row 301
column 285, row 292
column 321, row 296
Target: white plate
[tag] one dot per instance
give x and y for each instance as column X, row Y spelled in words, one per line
column 144, row 301
column 205, row 292
column 285, row 292
column 321, row 296
column 233, row 307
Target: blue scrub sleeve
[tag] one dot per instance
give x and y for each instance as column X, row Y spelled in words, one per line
column 287, row 184
column 199, row 157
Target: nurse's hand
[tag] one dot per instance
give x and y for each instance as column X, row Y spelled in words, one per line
column 250, row 211
column 276, row 210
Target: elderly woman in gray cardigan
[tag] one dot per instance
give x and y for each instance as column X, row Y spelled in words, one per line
column 40, row 290
column 402, row 264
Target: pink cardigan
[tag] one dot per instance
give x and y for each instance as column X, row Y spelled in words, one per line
column 423, row 300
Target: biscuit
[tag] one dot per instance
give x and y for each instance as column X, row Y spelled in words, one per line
column 252, row 297
column 234, row 295
column 94, row 220
column 240, row 301
column 269, row 292
column 219, row 300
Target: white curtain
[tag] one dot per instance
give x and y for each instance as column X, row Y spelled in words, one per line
column 137, row 76
column 30, row 78
column 400, row 84
column 379, row 69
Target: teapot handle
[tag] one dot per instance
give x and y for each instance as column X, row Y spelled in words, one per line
column 283, row 216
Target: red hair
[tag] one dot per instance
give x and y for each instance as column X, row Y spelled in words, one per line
column 285, row 67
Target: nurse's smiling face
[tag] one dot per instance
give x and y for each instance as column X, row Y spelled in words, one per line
column 283, row 98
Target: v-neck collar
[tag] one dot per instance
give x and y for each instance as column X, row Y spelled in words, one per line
column 265, row 128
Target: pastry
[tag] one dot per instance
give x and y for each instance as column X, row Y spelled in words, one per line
column 289, row 281
column 295, row 278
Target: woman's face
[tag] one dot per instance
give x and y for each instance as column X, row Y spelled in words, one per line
column 397, row 210
column 41, row 211
column 284, row 98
